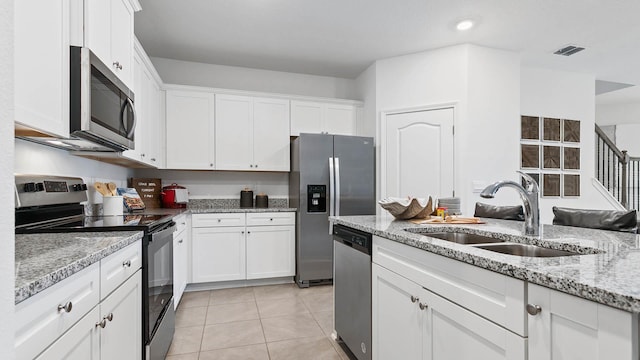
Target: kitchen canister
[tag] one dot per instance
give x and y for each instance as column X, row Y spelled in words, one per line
column 112, row 205
column 246, row 198
column 262, row 201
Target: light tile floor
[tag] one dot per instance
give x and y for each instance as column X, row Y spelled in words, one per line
column 257, row 323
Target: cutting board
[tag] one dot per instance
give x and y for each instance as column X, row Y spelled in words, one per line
column 449, row 220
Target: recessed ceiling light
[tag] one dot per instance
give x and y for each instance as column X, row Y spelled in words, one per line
column 465, row 24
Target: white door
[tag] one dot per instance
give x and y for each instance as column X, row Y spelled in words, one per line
column 571, row 328
column 140, row 103
column 218, row 254
column 271, row 134
column 418, row 154
column 306, row 117
column 339, row 119
column 81, row 342
column 270, row 251
column 122, row 311
column 190, row 130
column 398, row 323
column 234, row 135
column 122, row 40
column 453, row 332
column 180, row 263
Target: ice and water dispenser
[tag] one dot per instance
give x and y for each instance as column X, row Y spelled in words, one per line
column 316, row 198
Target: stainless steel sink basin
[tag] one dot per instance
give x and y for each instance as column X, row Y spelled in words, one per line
column 525, row 250
column 462, row 238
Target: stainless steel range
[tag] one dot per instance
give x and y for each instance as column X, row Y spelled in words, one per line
column 54, row 204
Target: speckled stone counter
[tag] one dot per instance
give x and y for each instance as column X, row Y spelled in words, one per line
column 607, row 273
column 204, row 206
column 43, row 260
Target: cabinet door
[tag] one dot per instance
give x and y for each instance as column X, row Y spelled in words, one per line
column 121, row 26
column 306, row 117
column 41, row 66
column 339, row 119
column 151, row 121
column 453, row 332
column 121, row 337
column 97, row 28
column 190, row 130
column 271, row 134
column 398, row 324
column 234, row 135
column 270, row 251
column 218, row 254
column 568, row 328
column 180, row 260
column 81, row 342
column 141, row 116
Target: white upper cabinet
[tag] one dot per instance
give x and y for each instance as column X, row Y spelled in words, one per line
column 190, row 130
column 41, row 66
column 252, row 133
column 109, row 34
column 318, row 117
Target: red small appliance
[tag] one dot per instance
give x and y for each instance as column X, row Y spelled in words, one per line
column 174, row 196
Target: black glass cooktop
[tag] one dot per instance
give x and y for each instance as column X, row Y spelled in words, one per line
column 98, row 223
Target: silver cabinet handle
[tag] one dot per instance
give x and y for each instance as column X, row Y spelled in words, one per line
column 183, row 223
column 211, row 165
column 242, row 232
column 256, row 165
column 153, row 159
column 414, row 299
column 248, row 232
column 533, row 309
column 219, row 220
column 180, row 242
column 102, row 323
column 423, row 306
column 66, row 307
column 143, row 155
column 109, row 317
column 117, row 65
column 250, row 165
column 126, row 263
column 271, row 219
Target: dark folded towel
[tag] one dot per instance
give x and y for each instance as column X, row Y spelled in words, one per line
column 499, row 212
column 596, row 219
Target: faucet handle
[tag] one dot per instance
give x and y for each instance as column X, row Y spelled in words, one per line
column 531, row 184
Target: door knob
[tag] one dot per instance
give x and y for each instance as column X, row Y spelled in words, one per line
column 66, row 307
column 423, row 306
column 414, row 299
column 533, row 309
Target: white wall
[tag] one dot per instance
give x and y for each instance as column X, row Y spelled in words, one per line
column 7, row 225
column 627, row 136
column 570, row 96
column 484, row 85
column 31, row 158
column 614, row 114
column 222, row 184
column 366, row 91
column 239, row 78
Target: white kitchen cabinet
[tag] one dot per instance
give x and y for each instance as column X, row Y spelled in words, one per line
column 410, row 322
column 225, row 249
column 271, row 251
column 120, row 338
column 218, row 254
column 319, row 117
column 251, row 133
column 41, row 66
column 190, row 131
column 568, row 327
column 109, row 34
column 181, row 241
column 81, row 342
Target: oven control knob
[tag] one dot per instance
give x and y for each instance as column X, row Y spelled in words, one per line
column 30, row 187
column 39, row 187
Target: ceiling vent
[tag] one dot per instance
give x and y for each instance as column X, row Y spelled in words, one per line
column 569, row 50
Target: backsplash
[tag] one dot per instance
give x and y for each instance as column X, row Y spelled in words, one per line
column 232, row 203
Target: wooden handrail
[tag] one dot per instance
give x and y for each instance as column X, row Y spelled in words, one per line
column 611, row 144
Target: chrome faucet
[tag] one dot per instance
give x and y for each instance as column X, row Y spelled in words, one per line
column 529, row 196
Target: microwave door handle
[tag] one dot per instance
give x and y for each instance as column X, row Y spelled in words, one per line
column 135, row 117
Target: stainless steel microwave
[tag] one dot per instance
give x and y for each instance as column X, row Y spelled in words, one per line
column 101, row 105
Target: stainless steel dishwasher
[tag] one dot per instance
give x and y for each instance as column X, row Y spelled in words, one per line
column 352, row 289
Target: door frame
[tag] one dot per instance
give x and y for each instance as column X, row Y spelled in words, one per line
column 382, row 135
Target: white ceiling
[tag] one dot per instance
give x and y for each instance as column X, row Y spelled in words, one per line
column 342, row 38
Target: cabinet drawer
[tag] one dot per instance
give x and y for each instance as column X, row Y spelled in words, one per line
column 494, row 296
column 118, row 267
column 223, row 219
column 38, row 320
column 271, row 218
column 181, row 224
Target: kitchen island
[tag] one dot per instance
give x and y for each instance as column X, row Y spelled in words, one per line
column 427, row 291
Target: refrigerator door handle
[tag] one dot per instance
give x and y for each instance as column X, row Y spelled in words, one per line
column 331, row 194
column 337, row 192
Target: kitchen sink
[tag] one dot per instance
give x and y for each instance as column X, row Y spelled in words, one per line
column 462, row 238
column 525, row 250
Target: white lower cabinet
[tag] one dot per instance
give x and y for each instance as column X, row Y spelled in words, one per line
column 423, row 325
column 236, row 246
column 571, row 328
column 81, row 342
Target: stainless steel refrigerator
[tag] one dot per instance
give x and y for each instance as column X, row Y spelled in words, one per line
column 330, row 175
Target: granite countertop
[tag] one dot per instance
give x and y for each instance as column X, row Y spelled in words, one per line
column 43, row 260
column 607, row 272
column 238, row 210
column 205, row 206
